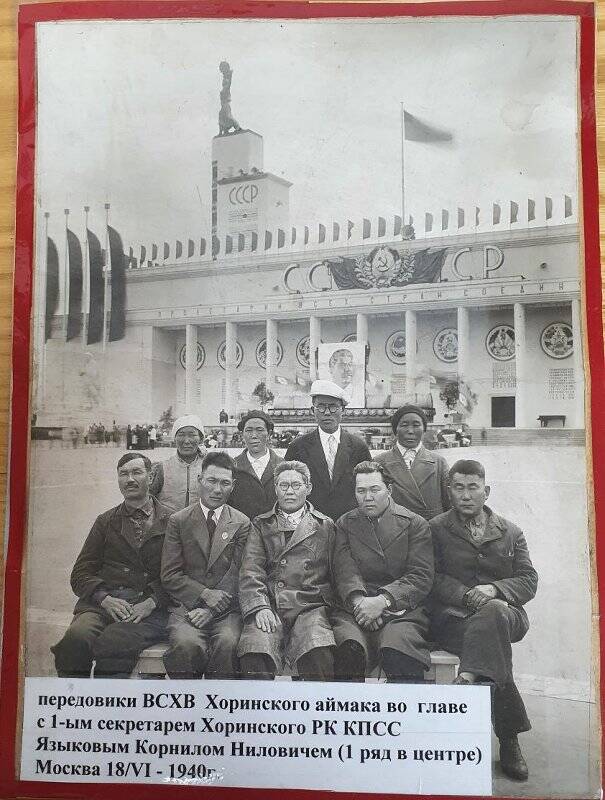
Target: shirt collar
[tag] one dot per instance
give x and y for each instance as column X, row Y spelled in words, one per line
column 403, row 450
column 146, row 508
column 217, row 511
column 259, row 459
column 325, row 436
column 295, row 517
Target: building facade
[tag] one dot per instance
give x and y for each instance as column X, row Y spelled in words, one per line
column 491, row 307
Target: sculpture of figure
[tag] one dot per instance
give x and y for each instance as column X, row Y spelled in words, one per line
column 226, row 122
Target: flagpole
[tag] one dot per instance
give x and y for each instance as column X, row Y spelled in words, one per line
column 85, row 282
column 403, row 222
column 66, row 277
column 42, row 270
column 106, row 271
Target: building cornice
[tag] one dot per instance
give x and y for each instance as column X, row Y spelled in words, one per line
column 420, row 297
column 275, row 261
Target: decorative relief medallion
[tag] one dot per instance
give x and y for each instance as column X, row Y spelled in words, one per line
column 500, row 342
column 201, row 356
column 445, row 345
column 557, row 340
column 261, row 353
column 395, row 347
column 220, row 354
column 302, row 352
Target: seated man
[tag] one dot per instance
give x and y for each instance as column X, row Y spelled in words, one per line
column 383, row 570
column 200, row 566
column 284, row 585
column 122, row 607
column 483, row 578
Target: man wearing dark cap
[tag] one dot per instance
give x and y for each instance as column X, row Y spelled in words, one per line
column 254, row 488
column 121, row 608
column 418, row 476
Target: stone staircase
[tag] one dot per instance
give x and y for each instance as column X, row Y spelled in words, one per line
column 514, row 437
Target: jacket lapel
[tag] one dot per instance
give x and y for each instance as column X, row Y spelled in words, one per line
column 243, row 464
column 390, row 528
column 493, row 529
column 199, row 529
column 365, row 534
column 267, row 476
column 316, row 455
column 423, row 467
column 225, row 530
column 402, row 475
column 305, row 528
column 342, row 460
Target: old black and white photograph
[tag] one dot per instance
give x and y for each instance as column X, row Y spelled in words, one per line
column 308, row 396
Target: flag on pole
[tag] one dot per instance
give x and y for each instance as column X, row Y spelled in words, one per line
column 117, row 270
column 74, row 266
column 96, row 289
column 415, row 130
column 52, row 284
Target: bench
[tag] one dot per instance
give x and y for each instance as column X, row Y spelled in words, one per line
column 444, row 665
column 545, row 419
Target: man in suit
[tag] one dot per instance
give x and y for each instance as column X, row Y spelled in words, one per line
column 383, row 572
column 418, row 475
column 483, row 578
column 285, row 585
column 330, row 452
column 121, row 608
column 200, row 567
column 254, row 489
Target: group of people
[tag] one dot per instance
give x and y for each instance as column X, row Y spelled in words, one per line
column 325, row 561
column 141, row 437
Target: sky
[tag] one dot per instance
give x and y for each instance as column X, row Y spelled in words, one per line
column 127, row 112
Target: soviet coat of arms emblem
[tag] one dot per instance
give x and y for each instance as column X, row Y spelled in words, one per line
column 383, row 267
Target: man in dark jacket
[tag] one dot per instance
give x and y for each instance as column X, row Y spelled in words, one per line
column 383, row 571
column 483, row 578
column 200, row 566
column 122, row 607
column 418, row 475
column 254, row 488
column 284, row 585
column 330, row 452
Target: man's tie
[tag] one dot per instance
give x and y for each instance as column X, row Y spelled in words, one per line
column 211, row 524
column 332, row 448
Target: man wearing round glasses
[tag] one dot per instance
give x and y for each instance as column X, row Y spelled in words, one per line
column 175, row 481
column 200, row 566
column 284, row 587
column 254, row 490
column 330, row 452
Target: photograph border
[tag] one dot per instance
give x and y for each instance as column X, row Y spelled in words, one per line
column 16, row 527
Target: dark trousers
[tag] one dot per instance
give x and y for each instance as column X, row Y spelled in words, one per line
column 483, row 642
column 316, row 665
column 350, row 664
column 114, row 646
column 211, row 651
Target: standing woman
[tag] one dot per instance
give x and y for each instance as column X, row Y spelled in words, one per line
column 418, row 475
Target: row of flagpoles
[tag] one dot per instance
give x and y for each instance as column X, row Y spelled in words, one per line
column 93, row 283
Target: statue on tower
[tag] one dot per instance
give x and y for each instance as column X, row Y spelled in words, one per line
column 226, row 122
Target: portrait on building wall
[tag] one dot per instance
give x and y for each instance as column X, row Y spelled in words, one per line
column 332, row 259
column 344, row 364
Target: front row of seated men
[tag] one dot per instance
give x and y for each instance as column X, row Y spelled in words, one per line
column 331, row 600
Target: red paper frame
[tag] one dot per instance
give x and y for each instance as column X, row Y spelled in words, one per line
column 10, row 787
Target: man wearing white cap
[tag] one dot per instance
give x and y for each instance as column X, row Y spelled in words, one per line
column 175, row 481
column 330, row 452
